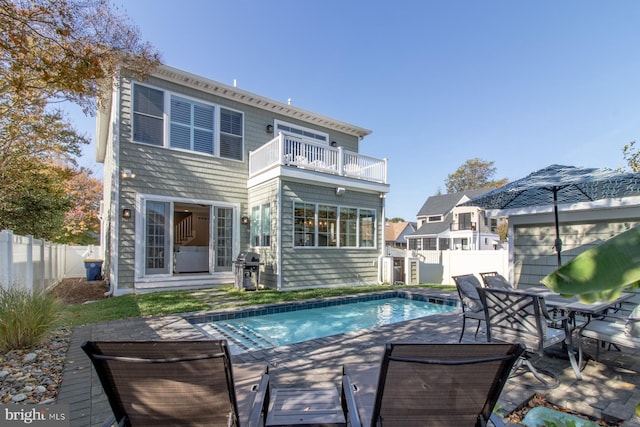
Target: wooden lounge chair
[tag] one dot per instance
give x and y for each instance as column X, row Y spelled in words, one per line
column 514, row 316
column 493, row 279
column 429, row 385
column 467, row 286
column 162, row 383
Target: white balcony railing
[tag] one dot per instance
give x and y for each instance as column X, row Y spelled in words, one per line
column 288, row 150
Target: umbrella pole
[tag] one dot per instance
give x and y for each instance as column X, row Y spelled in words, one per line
column 558, row 242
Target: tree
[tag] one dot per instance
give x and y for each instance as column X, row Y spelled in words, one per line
column 396, row 219
column 632, row 156
column 54, row 51
column 81, row 223
column 473, row 174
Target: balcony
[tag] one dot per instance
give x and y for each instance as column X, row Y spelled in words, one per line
column 290, row 151
column 462, row 226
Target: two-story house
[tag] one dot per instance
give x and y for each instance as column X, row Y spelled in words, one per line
column 443, row 225
column 197, row 172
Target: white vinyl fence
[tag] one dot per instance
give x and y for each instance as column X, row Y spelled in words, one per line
column 439, row 266
column 36, row 264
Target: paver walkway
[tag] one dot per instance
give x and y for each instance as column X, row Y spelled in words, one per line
column 610, row 388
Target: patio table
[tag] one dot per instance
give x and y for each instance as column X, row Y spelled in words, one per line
column 571, row 307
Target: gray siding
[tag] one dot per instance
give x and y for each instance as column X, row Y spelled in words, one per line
column 267, row 193
column 180, row 174
column 316, row 267
column 535, row 256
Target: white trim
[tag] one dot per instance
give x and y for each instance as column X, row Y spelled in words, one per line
column 572, row 207
column 139, row 277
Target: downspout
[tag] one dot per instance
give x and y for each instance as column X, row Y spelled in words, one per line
column 279, row 237
column 382, row 245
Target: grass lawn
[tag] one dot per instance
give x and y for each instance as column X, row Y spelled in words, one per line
column 172, row 302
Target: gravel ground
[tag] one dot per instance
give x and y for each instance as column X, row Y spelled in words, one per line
column 34, row 375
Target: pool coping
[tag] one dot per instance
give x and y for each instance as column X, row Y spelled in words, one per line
column 283, row 307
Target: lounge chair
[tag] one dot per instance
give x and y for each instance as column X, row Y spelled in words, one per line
column 162, row 383
column 472, row 308
column 429, row 385
column 514, row 316
column 495, row 280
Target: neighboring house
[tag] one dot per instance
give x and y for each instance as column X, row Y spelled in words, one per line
column 395, row 233
column 442, row 225
column 197, row 172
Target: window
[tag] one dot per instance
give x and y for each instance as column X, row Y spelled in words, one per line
column 348, row 227
column 304, row 224
column 367, row 230
column 192, row 124
column 230, row 134
column 327, row 226
column 148, row 115
column 434, row 218
column 305, row 133
column 331, row 226
column 261, row 225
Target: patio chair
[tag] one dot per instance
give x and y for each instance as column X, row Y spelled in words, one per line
column 493, row 279
column 467, row 286
column 164, row 383
column 514, row 316
column 429, row 385
column 617, row 330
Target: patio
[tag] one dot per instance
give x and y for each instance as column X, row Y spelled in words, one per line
column 610, row 389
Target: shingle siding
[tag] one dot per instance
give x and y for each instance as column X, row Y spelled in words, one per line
column 535, row 256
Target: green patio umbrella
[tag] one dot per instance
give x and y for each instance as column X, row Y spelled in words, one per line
column 557, row 184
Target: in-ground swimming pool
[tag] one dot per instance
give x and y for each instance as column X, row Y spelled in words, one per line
column 292, row 323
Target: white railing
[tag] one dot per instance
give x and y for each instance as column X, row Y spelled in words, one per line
column 36, row 264
column 289, row 150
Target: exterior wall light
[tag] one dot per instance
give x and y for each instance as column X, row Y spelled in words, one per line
column 126, row 213
column 126, row 174
column 340, row 191
column 269, row 129
column 244, row 220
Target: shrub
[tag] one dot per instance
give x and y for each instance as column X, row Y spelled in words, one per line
column 25, row 317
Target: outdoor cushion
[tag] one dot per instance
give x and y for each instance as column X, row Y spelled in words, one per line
column 633, row 323
column 498, row 282
column 470, row 294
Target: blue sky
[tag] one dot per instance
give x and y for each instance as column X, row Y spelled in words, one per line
column 524, row 84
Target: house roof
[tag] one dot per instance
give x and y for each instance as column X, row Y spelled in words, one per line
column 204, row 84
column 444, row 203
column 433, row 228
column 393, row 230
column 258, row 101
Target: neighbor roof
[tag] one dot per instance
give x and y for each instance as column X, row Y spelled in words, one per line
column 444, row 203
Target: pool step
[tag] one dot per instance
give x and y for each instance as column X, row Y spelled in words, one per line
column 241, row 340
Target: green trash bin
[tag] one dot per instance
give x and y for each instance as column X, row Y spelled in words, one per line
column 93, row 268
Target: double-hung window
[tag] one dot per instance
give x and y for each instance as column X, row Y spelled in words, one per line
column 192, row 125
column 148, row 115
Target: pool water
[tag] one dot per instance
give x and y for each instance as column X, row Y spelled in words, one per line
column 273, row 330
